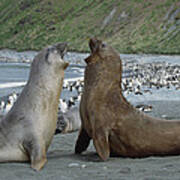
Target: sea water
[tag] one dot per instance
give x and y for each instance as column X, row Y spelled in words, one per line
column 14, row 75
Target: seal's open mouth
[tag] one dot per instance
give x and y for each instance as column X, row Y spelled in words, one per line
column 61, row 48
column 93, row 44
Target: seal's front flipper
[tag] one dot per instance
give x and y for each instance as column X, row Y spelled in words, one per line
column 37, row 153
column 101, row 143
column 38, row 163
column 38, row 158
column 83, row 141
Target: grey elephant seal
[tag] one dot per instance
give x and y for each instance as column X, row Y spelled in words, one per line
column 28, row 128
column 69, row 121
column 115, row 126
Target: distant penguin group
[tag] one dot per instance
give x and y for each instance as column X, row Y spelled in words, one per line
column 7, row 102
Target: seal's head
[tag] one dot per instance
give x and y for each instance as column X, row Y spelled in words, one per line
column 50, row 61
column 100, row 51
column 103, row 62
column 55, row 54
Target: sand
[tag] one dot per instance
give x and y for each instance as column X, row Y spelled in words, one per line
column 63, row 164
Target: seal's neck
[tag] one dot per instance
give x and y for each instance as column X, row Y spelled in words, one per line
column 45, row 82
column 104, row 74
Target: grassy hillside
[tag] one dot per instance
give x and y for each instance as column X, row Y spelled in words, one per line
column 131, row 26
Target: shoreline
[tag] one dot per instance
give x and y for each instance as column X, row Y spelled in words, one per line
column 8, row 55
column 87, row 52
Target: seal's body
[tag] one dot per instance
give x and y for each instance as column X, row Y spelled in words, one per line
column 115, row 126
column 69, row 121
column 28, row 128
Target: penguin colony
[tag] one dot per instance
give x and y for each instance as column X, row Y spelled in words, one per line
column 138, row 78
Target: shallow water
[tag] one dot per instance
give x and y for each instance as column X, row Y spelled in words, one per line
column 14, row 69
column 15, row 74
column 11, row 77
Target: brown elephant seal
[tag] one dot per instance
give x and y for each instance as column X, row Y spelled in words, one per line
column 28, row 128
column 115, row 126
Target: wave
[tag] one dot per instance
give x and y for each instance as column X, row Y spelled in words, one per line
column 19, row 84
column 11, row 84
column 74, row 79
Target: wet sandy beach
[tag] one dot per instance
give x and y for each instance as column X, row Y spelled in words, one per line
column 63, row 164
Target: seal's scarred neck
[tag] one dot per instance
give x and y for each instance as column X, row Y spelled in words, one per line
column 104, row 73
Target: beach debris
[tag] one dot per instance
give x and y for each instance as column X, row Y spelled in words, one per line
column 83, row 166
column 72, row 165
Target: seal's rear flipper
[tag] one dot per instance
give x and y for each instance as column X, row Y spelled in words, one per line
column 83, row 141
column 101, row 143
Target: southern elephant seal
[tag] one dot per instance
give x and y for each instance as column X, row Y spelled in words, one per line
column 28, row 128
column 69, row 121
column 115, row 126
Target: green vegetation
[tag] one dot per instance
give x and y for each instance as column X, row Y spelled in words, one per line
column 131, row 26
